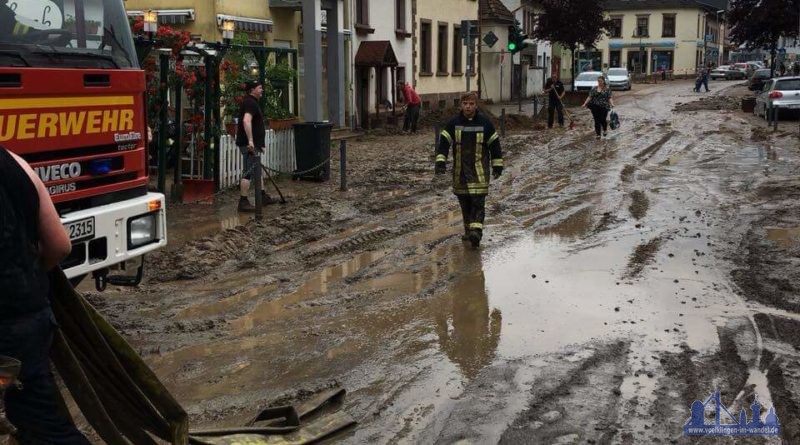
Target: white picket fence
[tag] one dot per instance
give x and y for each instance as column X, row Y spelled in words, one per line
column 278, row 155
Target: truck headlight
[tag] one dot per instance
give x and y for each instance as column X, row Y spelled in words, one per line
column 141, row 230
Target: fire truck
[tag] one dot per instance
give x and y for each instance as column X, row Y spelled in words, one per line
column 72, row 105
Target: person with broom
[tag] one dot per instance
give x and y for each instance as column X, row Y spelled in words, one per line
column 555, row 95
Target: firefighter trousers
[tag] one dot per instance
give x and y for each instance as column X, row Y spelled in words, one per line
column 473, row 210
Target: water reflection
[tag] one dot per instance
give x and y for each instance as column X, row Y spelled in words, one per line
column 468, row 332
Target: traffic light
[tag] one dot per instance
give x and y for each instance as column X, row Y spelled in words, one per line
column 517, row 39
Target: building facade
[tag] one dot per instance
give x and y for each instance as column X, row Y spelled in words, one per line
column 496, row 64
column 440, row 56
column 651, row 36
column 533, row 64
column 383, row 55
column 280, row 24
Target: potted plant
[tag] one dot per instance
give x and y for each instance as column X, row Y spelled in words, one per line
column 92, row 27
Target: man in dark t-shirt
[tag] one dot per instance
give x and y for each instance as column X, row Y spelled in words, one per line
column 555, row 91
column 251, row 133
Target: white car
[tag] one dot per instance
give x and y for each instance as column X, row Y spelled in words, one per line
column 782, row 93
column 587, row 80
column 619, row 78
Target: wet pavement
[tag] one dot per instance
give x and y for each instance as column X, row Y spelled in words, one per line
column 618, row 282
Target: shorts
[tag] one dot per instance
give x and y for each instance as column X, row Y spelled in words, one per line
column 250, row 162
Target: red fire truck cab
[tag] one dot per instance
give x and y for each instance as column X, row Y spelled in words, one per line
column 72, row 105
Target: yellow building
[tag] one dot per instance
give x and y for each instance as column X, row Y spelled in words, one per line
column 651, row 36
column 440, row 57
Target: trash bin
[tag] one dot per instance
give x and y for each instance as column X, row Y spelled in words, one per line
column 312, row 146
column 748, row 104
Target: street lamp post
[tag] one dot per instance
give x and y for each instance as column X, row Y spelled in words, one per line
column 720, row 37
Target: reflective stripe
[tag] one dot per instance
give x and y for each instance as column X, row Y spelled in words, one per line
column 20, row 29
column 493, row 138
column 457, row 156
column 447, row 136
column 469, row 129
column 497, row 162
column 479, row 158
column 441, row 158
column 476, row 226
column 463, row 191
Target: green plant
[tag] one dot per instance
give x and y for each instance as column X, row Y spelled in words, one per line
column 236, row 71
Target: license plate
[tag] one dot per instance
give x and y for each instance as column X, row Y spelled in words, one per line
column 81, row 229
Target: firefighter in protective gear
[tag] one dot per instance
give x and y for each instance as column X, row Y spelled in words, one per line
column 476, row 150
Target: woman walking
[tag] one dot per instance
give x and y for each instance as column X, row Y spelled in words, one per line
column 600, row 103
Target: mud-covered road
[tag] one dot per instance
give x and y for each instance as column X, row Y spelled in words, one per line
column 620, row 281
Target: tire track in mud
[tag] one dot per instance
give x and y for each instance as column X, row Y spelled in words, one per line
column 559, row 410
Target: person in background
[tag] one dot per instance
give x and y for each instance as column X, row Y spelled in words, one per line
column 555, row 95
column 411, row 104
column 600, row 103
column 251, row 135
column 32, row 242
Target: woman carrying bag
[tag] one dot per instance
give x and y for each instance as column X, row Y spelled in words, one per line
column 600, row 103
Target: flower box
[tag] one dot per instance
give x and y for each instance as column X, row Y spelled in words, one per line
column 282, row 124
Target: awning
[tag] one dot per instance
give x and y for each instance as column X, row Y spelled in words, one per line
column 249, row 24
column 664, row 44
column 376, row 53
column 168, row 16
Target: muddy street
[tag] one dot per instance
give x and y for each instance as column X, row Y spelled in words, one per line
column 619, row 281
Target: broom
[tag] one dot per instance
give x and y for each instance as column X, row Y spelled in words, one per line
column 569, row 115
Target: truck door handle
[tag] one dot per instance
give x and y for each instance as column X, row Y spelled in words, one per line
column 10, row 80
column 96, row 80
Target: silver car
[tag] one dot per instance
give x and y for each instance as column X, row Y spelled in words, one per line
column 619, row 79
column 782, row 93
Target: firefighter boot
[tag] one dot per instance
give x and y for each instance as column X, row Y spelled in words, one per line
column 245, row 206
column 475, row 236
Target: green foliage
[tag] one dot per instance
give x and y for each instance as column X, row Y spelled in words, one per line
column 760, row 23
column 237, row 70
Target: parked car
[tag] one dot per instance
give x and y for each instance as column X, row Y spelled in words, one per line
column 587, row 80
column 757, row 80
column 742, row 68
column 727, row 72
column 781, row 93
column 619, row 78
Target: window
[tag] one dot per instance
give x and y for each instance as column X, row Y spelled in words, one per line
column 457, row 53
column 642, row 26
column 400, row 14
column 668, row 28
column 441, row 49
column 425, row 47
column 362, row 12
column 616, row 28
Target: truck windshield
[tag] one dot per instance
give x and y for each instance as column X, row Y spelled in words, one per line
column 65, row 34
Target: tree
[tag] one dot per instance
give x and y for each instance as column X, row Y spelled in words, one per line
column 760, row 23
column 571, row 23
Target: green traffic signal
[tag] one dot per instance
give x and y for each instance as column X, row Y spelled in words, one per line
column 512, row 46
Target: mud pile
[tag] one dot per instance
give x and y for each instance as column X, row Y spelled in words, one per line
column 711, row 103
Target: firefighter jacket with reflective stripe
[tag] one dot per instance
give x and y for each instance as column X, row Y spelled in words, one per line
column 476, row 149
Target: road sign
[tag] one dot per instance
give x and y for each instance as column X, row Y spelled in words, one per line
column 490, row 39
column 709, row 37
